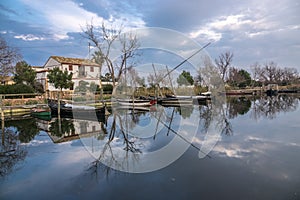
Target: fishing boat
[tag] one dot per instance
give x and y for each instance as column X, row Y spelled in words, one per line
column 202, row 97
column 77, row 111
column 136, row 102
column 272, row 90
column 41, row 111
column 172, row 100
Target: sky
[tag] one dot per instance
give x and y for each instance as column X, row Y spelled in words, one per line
column 253, row 30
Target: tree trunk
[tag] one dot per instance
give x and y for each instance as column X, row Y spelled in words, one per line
column 58, row 103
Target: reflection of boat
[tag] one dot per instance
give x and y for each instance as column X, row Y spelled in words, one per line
column 42, row 111
column 76, row 111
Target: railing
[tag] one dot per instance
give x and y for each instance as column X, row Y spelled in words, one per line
column 22, row 95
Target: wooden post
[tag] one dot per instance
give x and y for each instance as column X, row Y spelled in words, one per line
column 2, row 120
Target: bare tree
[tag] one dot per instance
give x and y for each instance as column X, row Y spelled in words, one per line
column 223, row 63
column 258, row 72
column 8, row 56
column 105, row 38
column 272, row 73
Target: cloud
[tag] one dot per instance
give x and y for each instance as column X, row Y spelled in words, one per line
column 29, row 37
column 63, row 17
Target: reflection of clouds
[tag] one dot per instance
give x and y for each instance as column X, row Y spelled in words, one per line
column 37, row 142
column 261, row 155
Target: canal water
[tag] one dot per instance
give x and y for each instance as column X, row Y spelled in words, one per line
column 248, row 149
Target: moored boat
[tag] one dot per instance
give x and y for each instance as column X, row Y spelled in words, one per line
column 77, row 111
column 136, row 102
column 41, row 110
column 172, row 100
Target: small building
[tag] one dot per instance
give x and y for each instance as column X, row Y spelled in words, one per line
column 8, row 80
column 82, row 69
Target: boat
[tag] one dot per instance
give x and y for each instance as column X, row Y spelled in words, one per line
column 272, row 90
column 239, row 93
column 172, row 100
column 136, row 102
column 41, row 111
column 202, row 97
column 78, row 111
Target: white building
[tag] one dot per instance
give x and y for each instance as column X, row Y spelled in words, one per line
column 82, row 69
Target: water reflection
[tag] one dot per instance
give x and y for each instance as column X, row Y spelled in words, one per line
column 270, row 107
column 238, row 106
column 127, row 136
column 26, row 129
column 11, row 151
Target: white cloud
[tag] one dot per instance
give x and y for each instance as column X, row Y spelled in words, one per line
column 206, row 34
column 67, row 16
column 29, row 37
column 213, row 29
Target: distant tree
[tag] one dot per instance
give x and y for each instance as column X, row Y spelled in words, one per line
column 185, row 78
column 61, row 80
column 246, row 78
column 272, row 73
column 258, row 73
column 24, row 74
column 223, row 63
column 198, row 78
column 239, row 77
column 8, row 56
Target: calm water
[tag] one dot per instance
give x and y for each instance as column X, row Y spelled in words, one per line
column 256, row 156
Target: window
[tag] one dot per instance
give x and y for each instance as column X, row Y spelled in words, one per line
column 81, row 71
column 91, row 69
column 70, row 67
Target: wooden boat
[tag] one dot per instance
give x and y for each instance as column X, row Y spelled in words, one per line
column 172, row 100
column 41, row 111
column 76, row 111
column 202, row 97
column 136, row 102
column 272, row 90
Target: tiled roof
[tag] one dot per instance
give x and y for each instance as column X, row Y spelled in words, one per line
column 74, row 61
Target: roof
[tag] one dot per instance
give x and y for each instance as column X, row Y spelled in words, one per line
column 38, row 69
column 74, row 61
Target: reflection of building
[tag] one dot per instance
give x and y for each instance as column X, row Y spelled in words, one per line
column 72, row 130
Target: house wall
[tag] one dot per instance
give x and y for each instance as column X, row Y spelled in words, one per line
column 51, row 63
column 91, row 74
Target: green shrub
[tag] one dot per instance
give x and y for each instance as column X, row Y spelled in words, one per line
column 107, row 89
column 16, row 89
column 31, row 102
column 8, row 103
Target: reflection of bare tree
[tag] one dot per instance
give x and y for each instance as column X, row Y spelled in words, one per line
column 237, row 106
column 11, row 151
column 269, row 107
column 215, row 113
column 118, row 130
